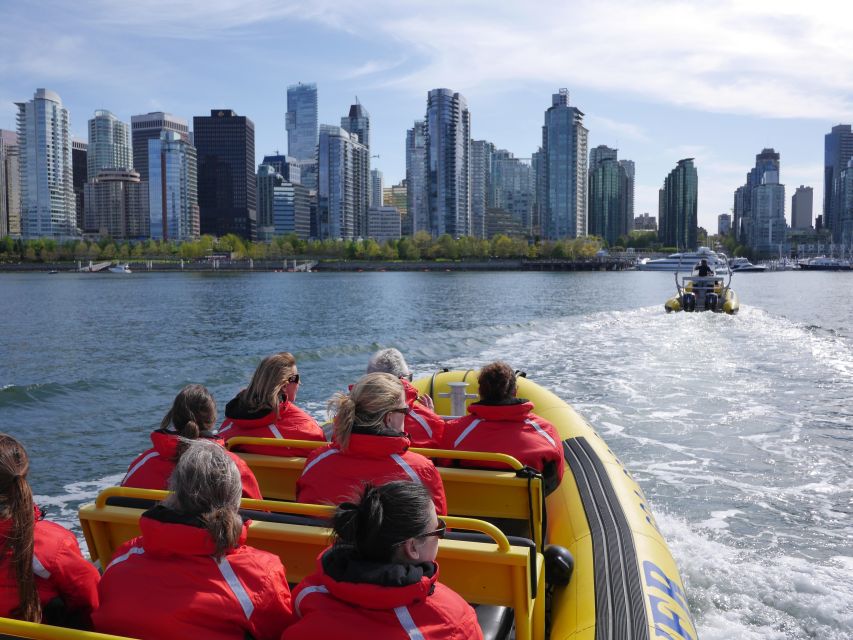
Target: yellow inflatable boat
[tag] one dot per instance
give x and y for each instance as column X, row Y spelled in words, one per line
column 624, row 586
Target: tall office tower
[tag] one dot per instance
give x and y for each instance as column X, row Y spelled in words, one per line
column 397, row 196
column 361, row 186
column 109, row 143
column 10, row 184
column 724, row 224
column 843, row 195
column 482, row 153
column 149, row 126
column 268, row 179
column 802, row 204
column 293, row 205
column 285, row 165
column 766, row 233
column 417, row 185
column 608, row 183
column 79, row 175
column 677, row 203
column 172, row 188
column 47, row 188
column 744, row 216
column 448, row 162
column 837, row 151
column 564, row 149
column 301, row 121
column 337, row 194
column 512, row 189
column 377, row 187
column 225, row 143
column 358, row 122
column 537, row 162
column 630, row 169
column 117, row 205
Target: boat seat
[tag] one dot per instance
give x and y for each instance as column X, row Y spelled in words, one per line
column 495, row 622
column 132, row 503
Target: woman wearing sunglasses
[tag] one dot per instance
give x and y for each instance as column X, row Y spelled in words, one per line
column 267, row 409
column 379, row 578
column 369, row 445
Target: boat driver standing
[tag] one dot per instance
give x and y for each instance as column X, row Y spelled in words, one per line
column 703, row 270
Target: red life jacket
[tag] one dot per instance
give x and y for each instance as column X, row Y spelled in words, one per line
column 151, row 469
column 60, row 571
column 332, row 476
column 166, row 584
column 512, row 429
column 364, row 601
column 424, row 426
column 291, row 423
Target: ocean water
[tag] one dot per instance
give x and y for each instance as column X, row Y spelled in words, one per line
column 739, row 429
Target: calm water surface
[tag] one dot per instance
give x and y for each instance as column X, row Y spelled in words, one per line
column 739, row 429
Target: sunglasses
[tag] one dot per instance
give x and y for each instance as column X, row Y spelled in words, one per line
column 409, row 376
column 294, row 379
column 438, row 533
column 403, row 410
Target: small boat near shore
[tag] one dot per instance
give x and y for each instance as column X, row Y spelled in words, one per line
column 120, row 268
column 703, row 293
column 743, row 265
column 685, row 261
column 822, row 263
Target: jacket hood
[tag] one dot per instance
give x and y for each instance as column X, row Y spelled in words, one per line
column 374, row 585
column 169, row 532
column 166, row 442
column 519, row 410
column 376, row 446
column 411, row 391
column 236, row 410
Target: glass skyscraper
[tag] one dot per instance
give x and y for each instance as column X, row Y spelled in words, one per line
column 172, row 188
column 109, row 144
column 417, row 195
column 149, row 126
column 301, row 121
column 564, row 162
column 448, row 163
column 358, row 122
column 47, row 192
column 611, row 194
column 337, row 192
column 837, row 151
column 678, row 201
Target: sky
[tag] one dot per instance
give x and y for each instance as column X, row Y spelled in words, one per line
column 660, row 80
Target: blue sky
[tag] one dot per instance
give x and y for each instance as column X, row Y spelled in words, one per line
column 659, row 80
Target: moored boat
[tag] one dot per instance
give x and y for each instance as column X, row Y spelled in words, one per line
column 120, row 268
column 822, row 263
column 685, row 261
column 743, row 265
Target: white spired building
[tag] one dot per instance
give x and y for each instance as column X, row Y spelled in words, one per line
column 47, row 191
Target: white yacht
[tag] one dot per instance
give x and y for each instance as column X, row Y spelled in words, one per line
column 686, row 261
column 121, row 268
column 743, row 265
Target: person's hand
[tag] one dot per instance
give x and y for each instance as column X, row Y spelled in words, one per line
column 426, row 401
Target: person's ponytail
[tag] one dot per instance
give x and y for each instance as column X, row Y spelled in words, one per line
column 343, row 408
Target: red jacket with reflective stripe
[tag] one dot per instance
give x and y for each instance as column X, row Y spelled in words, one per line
column 291, row 423
column 423, row 425
column 327, row 608
column 60, row 570
column 151, row 469
column 332, row 476
column 167, row 585
column 512, row 429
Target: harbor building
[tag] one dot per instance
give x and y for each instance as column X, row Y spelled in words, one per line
column 564, row 166
column 678, row 206
column 301, row 121
column 227, row 199
column 172, row 188
column 150, row 126
column 47, row 188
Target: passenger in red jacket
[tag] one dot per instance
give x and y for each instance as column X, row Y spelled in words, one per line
column 190, row 575
column 267, row 409
column 369, row 446
column 502, row 423
column 43, row 575
column 193, row 415
column 379, row 579
column 423, row 425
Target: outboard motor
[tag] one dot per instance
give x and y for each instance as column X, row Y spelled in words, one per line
column 688, row 301
column 559, row 565
column 711, row 300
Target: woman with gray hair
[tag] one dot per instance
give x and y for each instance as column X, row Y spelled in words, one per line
column 190, row 573
column 423, row 425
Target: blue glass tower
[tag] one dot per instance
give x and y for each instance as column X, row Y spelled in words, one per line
column 301, row 121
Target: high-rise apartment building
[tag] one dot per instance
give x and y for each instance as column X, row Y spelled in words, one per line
column 417, row 184
column 377, row 188
column 678, row 207
column 357, row 122
column 744, row 216
column 268, row 178
column 837, row 151
column 482, row 154
column 610, row 206
column 338, row 197
column 150, row 126
column 383, row 223
column 448, row 158
column 285, row 165
column 47, row 188
column 630, row 169
column 802, row 206
column 724, row 224
column 301, row 121
column 172, row 188
column 109, row 143
column 397, row 196
column 843, row 195
column 564, row 156
column 767, row 229
column 79, row 176
column 512, row 189
column 10, row 185
column 293, row 205
column 225, row 144
column 117, row 205
column 645, row 222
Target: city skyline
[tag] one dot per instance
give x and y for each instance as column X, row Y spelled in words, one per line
column 714, row 83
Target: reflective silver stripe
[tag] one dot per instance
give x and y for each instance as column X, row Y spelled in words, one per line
column 136, row 467
column 225, row 426
column 542, row 432
column 409, row 471
column 38, row 568
column 408, row 624
column 325, row 454
column 307, row 591
column 133, row 551
column 236, row 586
column 421, row 422
column 468, row 430
column 275, row 432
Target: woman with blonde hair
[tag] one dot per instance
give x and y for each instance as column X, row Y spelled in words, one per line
column 192, row 416
column 267, row 409
column 369, row 445
column 190, row 573
column 43, row 575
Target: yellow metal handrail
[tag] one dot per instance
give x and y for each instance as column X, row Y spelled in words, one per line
column 470, row 524
column 274, row 442
column 481, row 456
column 21, row 629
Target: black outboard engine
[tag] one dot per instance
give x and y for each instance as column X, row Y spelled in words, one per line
column 711, row 300
column 559, row 565
column 688, row 301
